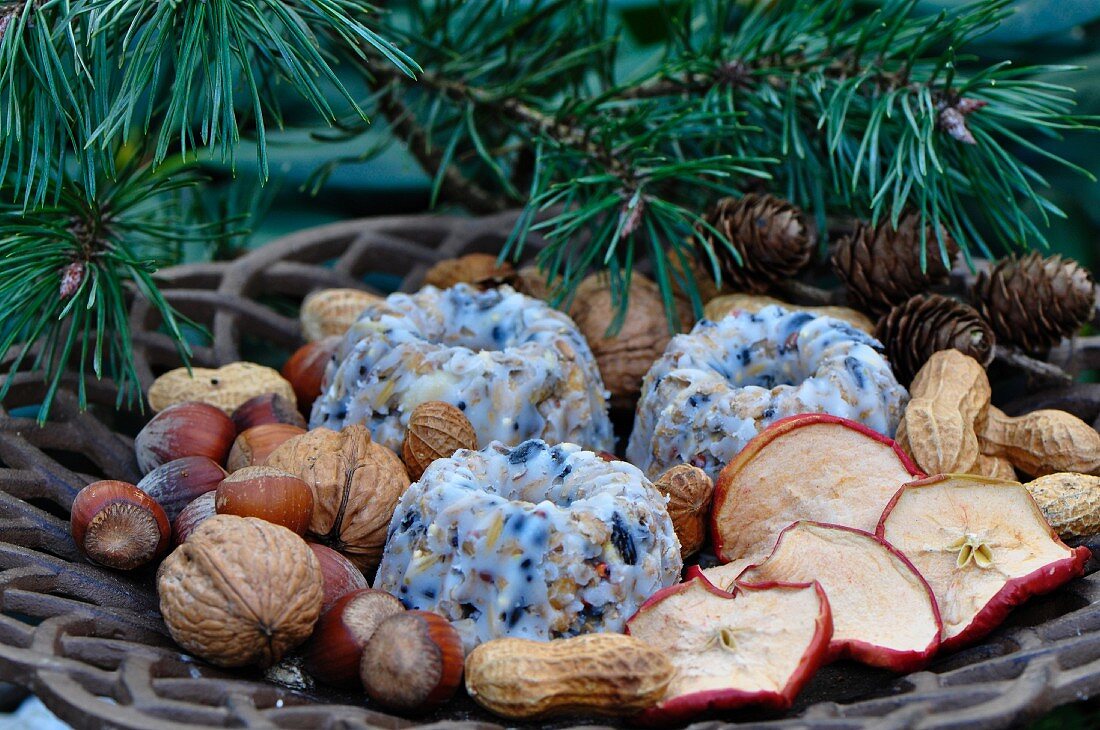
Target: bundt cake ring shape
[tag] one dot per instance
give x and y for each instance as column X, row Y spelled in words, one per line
column 516, row 367
column 716, row 387
column 536, row 541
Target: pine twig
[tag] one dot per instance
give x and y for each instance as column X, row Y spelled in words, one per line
column 454, row 186
column 1042, row 372
column 530, row 118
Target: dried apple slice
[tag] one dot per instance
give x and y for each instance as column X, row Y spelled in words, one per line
column 983, row 546
column 722, row 576
column 757, row 646
column 883, row 610
column 809, row 467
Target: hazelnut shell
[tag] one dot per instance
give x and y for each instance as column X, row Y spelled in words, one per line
column 200, row 509
column 117, row 525
column 413, row 662
column 267, row 408
column 266, row 493
column 305, row 370
column 253, row 446
column 177, row 483
column 185, row 429
column 333, row 653
column 341, row 577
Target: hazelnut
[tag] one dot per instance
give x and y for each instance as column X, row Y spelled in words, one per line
column 177, row 483
column 330, row 312
column 197, row 511
column 333, row 653
column 240, row 591
column 226, row 387
column 468, row 269
column 356, row 484
column 340, row 575
column 436, row 430
column 185, row 429
column 117, row 525
column 689, row 491
column 413, row 662
column 626, row 356
column 254, row 445
column 268, row 494
column 267, row 408
column 305, row 370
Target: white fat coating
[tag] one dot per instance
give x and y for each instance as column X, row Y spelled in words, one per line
column 718, row 386
column 517, row 368
column 537, row 542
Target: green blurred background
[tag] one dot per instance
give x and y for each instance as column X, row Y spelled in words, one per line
column 1039, row 32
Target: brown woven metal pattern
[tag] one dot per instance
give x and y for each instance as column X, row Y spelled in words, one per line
column 91, row 644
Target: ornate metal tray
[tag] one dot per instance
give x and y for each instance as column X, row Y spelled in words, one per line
column 90, row 643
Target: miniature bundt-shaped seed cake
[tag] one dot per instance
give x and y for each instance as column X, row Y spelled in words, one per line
column 535, row 541
column 721, row 384
column 517, row 368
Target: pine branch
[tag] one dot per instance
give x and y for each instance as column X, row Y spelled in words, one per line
column 843, row 111
column 74, row 266
column 453, row 184
column 81, row 234
column 44, row 97
column 77, row 75
column 199, row 53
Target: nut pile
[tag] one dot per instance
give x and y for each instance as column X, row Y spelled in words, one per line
column 267, row 535
column 950, row 426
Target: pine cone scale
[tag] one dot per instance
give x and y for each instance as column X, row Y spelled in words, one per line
column 881, row 266
column 771, row 237
column 1034, row 302
column 927, row 323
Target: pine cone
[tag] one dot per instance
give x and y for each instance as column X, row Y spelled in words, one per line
column 1034, row 302
column 928, row 323
column 770, row 234
column 880, row 266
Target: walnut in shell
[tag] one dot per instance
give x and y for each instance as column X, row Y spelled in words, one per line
column 625, row 357
column 689, row 491
column 329, row 312
column 436, row 430
column 226, row 387
column 240, row 591
column 469, row 269
column 356, row 484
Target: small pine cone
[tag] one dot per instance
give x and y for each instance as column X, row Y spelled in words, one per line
column 769, row 233
column 928, row 323
column 880, row 265
column 1034, row 302
column 72, row 276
